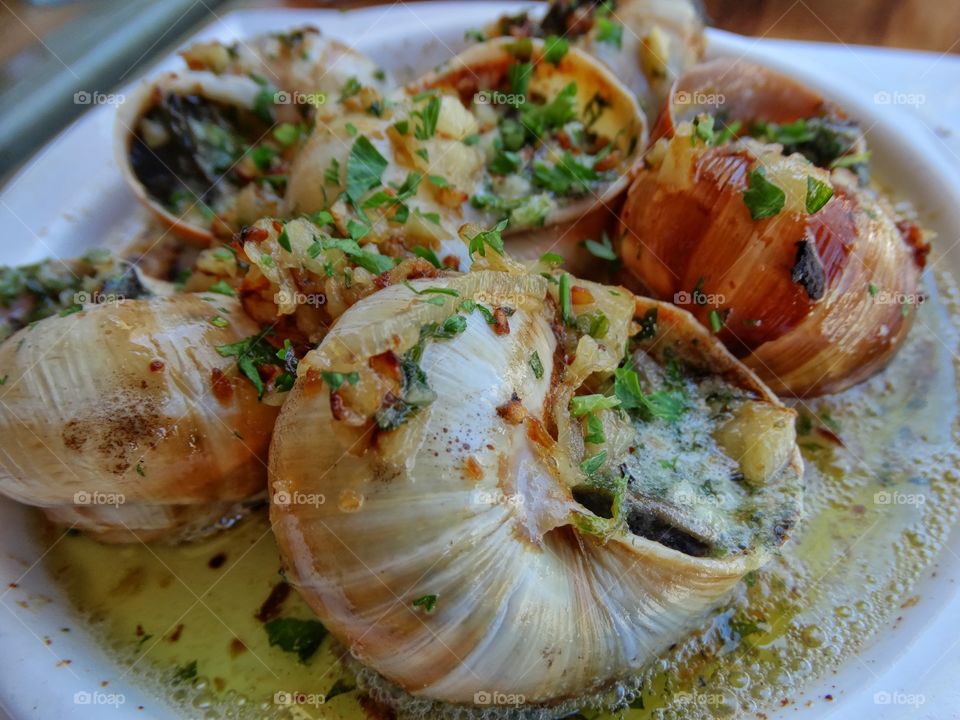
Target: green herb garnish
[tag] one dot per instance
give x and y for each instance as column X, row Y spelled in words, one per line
column 536, row 365
column 427, row 603
column 762, row 197
column 336, row 379
column 818, row 194
column 581, row 405
column 668, row 405
column 555, row 49
column 492, row 237
column 365, row 166
column 302, row 637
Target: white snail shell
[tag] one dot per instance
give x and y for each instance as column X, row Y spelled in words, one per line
column 124, row 421
column 472, row 503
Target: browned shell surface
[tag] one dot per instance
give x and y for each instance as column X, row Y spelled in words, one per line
column 801, row 339
column 735, row 89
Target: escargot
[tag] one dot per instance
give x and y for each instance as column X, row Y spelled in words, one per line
column 647, row 43
column 301, row 62
column 506, row 500
column 124, row 420
column 759, row 219
column 506, row 131
column 207, row 149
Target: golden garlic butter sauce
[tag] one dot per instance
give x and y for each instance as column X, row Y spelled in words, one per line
column 881, row 497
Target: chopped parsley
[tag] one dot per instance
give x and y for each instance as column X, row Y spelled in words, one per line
column 185, row 672
column 581, row 405
column 222, row 288
column 415, row 391
column 519, row 75
column 595, row 434
column 371, row 262
column 602, row 249
column 592, row 464
column 365, row 166
column 427, row 126
column 251, row 354
column 287, row 133
column 566, row 313
column 667, row 405
column 818, row 194
column 566, row 177
column 555, row 49
column 536, row 364
column 262, row 157
column 350, row 88
column 609, row 31
column 491, row 237
column 762, row 198
column 335, row 379
column 283, row 239
column 331, row 175
column 427, row 254
column 302, row 637
column 538, row 119
column 427, row 603
column 716, row 321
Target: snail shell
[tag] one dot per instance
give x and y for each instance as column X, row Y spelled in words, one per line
column 160, row 159
column 458, row 550
column 124, row 421
column 646, row 43
column 461, row 149
column 806, row 296
column 300, row 60
column 173, row 135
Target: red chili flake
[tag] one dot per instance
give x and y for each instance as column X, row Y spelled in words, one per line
column 451, row 261
column 337, row 407
column 253, row 234
column 311, row 382
column 580, row 295
column 608, row 163
column 501, row 321
column 472, row 468
column 156, row 365
column 386, row 364
column 512, row 411
column 914, row 237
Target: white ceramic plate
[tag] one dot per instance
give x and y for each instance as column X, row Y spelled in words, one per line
column 71, row 197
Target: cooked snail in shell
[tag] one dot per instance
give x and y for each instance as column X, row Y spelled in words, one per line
column 129, row 420
column 508, row 131
column 647, row 43
column 300, row 62
column 506, row 500
column 29, row 293
column 759, row 220
column 208, row 149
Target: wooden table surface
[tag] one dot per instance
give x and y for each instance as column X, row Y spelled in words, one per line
column 920, row 24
